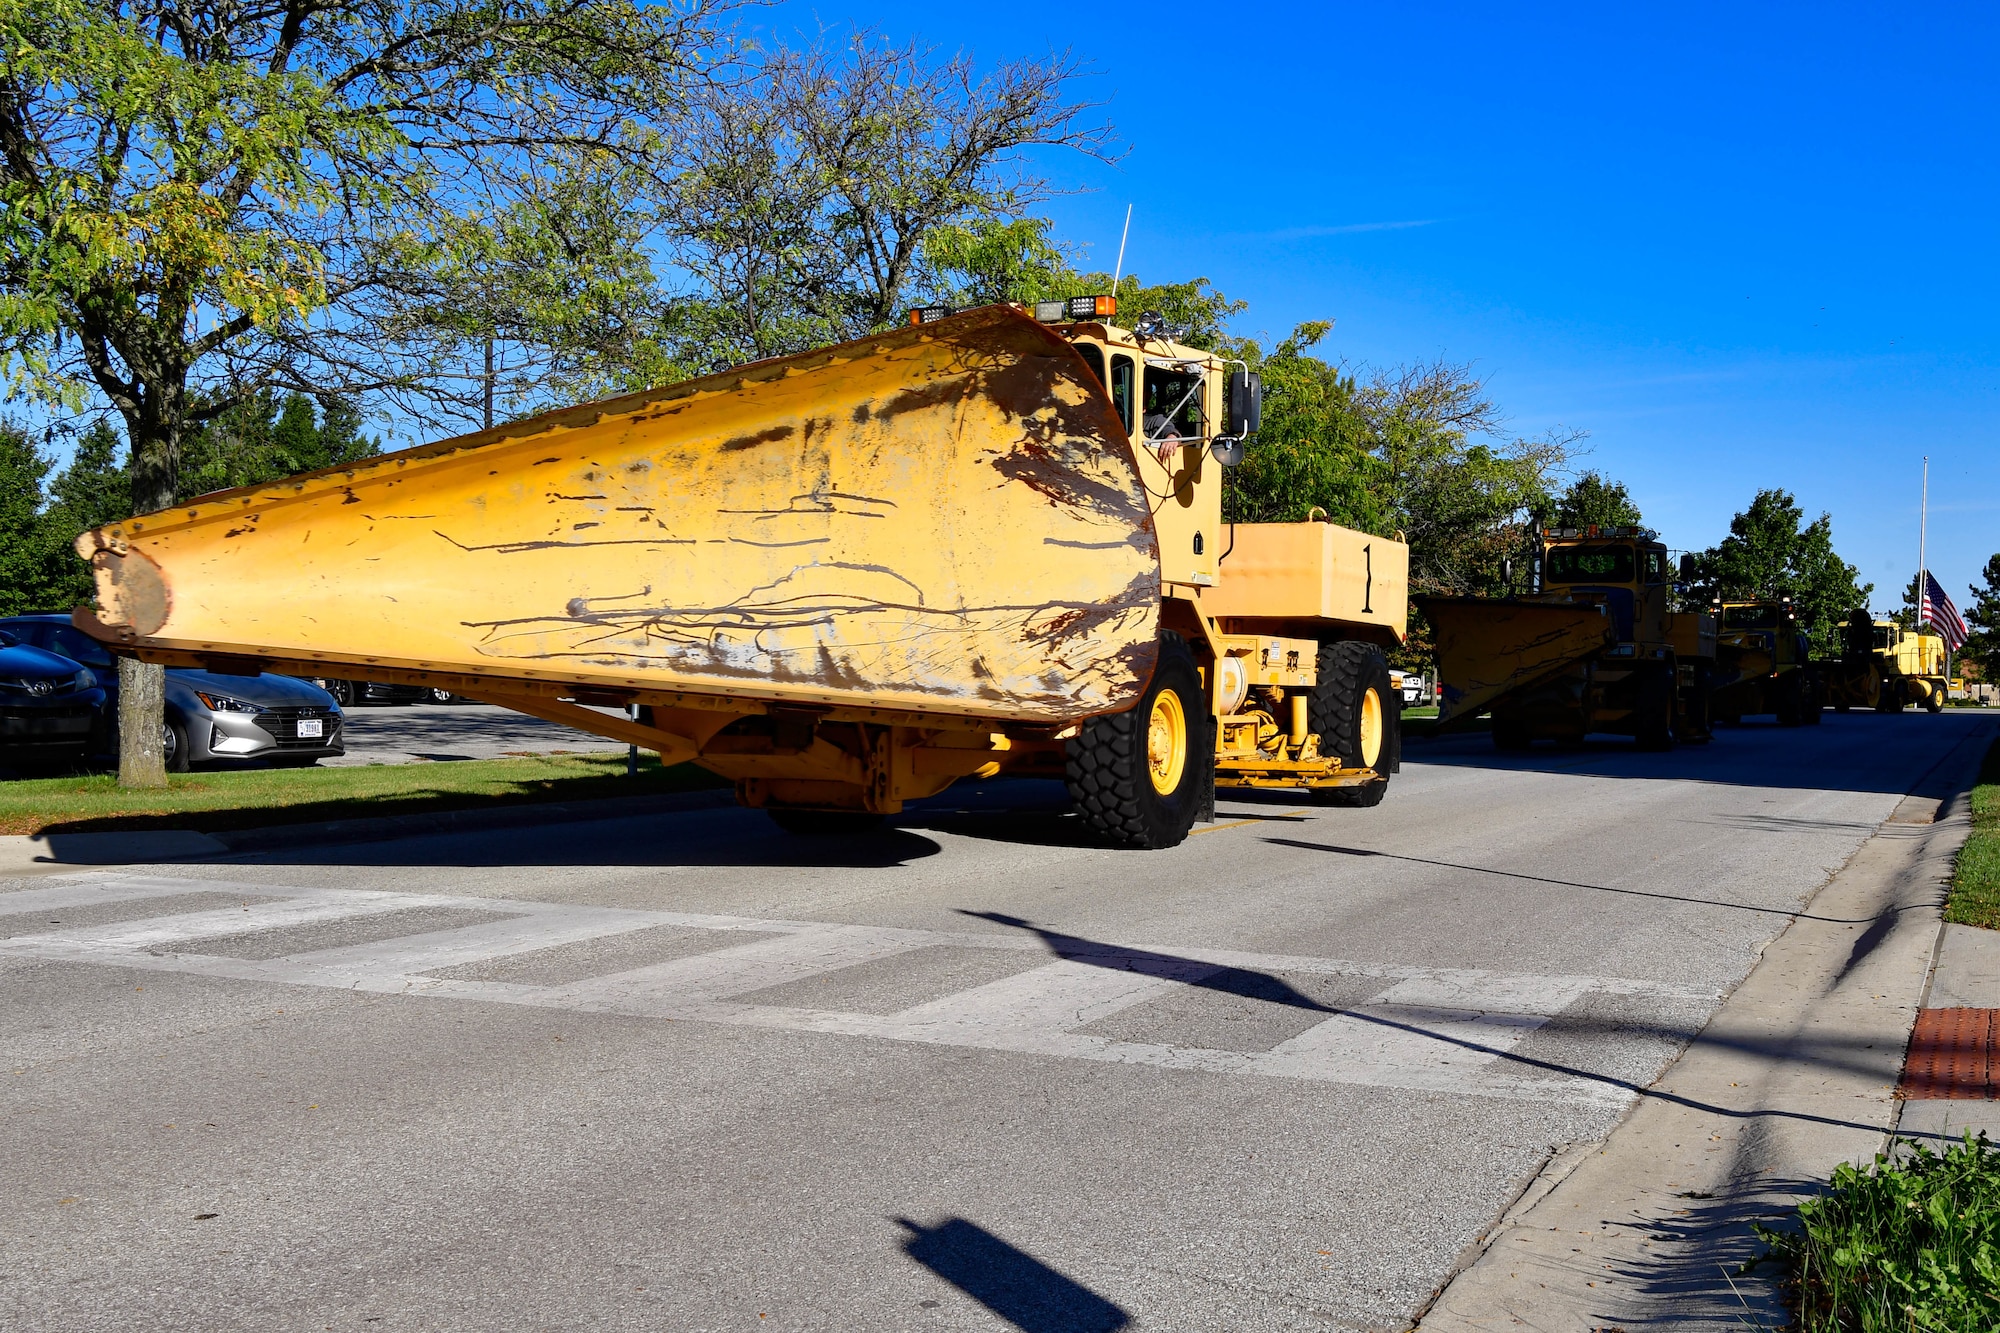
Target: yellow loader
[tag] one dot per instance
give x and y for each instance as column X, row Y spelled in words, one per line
column 987, row 543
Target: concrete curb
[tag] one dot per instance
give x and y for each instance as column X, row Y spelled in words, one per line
column 41, row 854
column 1795, row 1073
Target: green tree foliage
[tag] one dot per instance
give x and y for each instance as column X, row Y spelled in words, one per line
column 31, row 561
column 1595, row 498
column 1982, row 617
column 268, row 436
column 1418, row 450
column 1771, row 551
column 198, row 201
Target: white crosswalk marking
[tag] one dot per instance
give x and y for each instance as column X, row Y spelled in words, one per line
column 1424, row 1028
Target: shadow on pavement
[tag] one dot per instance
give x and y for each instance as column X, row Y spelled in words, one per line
column 1906, row 753
column 1705, row 1263
column 1821, row 1051
column 1009, row 1281
column 1874, row 923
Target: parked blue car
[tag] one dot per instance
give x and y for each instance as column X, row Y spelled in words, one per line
column 51, row 707
column 280, row 719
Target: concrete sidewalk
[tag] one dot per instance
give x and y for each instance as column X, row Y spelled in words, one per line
column 1796, row 1073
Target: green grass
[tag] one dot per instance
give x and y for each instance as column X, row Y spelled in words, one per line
column 1911, row 1242
column 248, row 798
column 1975, row 884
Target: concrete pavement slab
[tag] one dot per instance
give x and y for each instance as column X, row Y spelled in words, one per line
column 1795, row 1073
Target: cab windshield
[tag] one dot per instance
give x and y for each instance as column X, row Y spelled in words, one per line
column 1750, row 617
column 1589, row 564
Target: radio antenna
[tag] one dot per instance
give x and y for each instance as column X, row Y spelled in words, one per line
column 1121, row 250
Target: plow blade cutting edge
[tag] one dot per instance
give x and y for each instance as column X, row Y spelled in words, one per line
column 945, row 519
column 1487, row 650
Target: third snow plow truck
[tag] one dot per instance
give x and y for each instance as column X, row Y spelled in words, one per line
column 1596, row 648
column 1885, row 667
column 989, row 542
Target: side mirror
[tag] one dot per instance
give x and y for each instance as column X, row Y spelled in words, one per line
column 1246, row 403
column 1507, row 576
column 1687, row 567
column 1226, row 451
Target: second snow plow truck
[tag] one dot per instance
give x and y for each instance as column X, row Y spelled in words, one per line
column 1764, row 664
column 1597, row 648
column 990, row 542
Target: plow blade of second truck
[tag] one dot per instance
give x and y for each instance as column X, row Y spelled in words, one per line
column 941, row 520
column 1487, row 650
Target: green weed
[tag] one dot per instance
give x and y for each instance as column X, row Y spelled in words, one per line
column 1975, row 883
column 1909, row 1243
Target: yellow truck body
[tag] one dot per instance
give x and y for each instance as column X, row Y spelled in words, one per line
column 1764, row 664
column 1596, row 648
column 1886, row 667
column 843, row 579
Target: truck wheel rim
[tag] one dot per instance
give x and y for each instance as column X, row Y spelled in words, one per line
column 1371, row 728
column 1166, row 742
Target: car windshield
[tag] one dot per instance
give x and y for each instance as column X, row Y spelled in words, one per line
column 1589, row 564
column 1750, row 617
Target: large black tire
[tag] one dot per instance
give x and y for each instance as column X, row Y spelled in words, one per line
column 824, row 823
column 1511, row 734
column 1789, row 705
column 343, row 692
column 1358, row 716
column 1135, row 780
column 1815, row 700
column 1890, row 700
column 1653, row 706
column 1934, row 701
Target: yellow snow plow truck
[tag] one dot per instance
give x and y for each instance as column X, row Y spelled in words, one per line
column 987, row 543
column 1885, row 667
column 1764, row 664
column 1596, row 648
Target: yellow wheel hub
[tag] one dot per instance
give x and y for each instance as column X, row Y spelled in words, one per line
column 1166, row 742
column 1371, row 729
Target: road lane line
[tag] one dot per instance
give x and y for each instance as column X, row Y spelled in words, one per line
column 705, row 977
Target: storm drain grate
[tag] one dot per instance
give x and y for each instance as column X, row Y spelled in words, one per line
column 1953, row 1055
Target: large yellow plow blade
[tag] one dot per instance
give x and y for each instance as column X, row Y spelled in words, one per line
column 1489, row 649
column 944, row 519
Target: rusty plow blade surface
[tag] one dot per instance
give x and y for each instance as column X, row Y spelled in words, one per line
column 944, row 519
column 1486, row 649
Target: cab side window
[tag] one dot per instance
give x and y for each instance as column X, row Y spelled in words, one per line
column 1124, row 389
column 1093, row 356
column 1656, row 567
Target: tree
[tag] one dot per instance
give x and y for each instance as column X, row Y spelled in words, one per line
column 199, row 201
column 1982, row 617
column 817, row 190
column 31, row 564
column 1419, row 449
column 1772, row 552
column 1595, row 498
column 268, row 436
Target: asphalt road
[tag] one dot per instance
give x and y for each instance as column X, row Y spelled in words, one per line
column 415, row 733
column 686, row 1072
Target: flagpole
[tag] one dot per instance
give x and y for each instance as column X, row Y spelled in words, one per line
column 1923, row 522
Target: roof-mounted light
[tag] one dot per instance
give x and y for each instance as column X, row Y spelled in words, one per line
column 925, row 314
column 1076, row 307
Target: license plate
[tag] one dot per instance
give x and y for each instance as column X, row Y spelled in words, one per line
column 310, row 729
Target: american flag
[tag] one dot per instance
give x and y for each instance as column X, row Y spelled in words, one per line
column 1937, row 610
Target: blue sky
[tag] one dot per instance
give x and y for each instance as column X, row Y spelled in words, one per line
column 1742, row 246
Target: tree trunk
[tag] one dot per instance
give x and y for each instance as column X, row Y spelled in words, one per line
column 142, row 686
column 142, row 717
